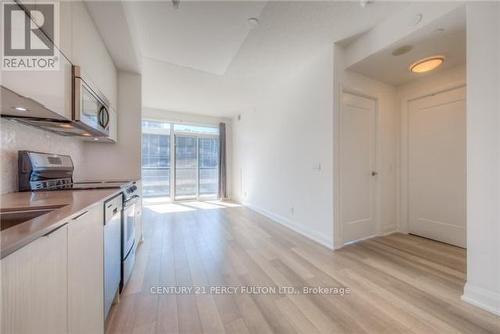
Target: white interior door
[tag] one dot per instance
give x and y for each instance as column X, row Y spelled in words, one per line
column 357, row 167
column 437, row 167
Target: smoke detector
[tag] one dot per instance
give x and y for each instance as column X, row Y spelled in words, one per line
column 252, row 22
column 364, row 3
column 402, row 50
column 415, row 20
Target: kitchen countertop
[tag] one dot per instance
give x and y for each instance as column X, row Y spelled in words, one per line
column 69, row 203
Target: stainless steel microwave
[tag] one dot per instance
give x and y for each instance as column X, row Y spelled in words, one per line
column 90, row 106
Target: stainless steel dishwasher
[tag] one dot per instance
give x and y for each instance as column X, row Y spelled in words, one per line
column 112, row 250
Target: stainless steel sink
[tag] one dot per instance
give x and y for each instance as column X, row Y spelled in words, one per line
column 15, row 217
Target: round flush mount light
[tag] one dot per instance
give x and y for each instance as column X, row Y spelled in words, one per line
column 402, row 50
column 427, row 64
column 253, row 22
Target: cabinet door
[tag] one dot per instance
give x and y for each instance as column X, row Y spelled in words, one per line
column 66, row 28
column 34, row 286
column 85, row 272
column 50, row 88
column 90, row 53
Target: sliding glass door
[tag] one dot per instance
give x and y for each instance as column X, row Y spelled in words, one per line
column 191, row 171
column 208, row 171
column 196, row 166
column 186, row 167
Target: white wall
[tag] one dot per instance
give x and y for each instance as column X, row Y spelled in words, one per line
column 440, row 81
column 181, row 89
column 176, row 117
column 120, row 161
column 279, row 144
column 387, row 140
column 483, row 156
column 16, row 136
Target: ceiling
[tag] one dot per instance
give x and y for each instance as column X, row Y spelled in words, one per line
column 203, row 35
column 203, row 58
column 445, row 36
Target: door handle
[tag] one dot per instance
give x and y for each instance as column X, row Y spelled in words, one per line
column 54, row 230
column 374, row 173
column 80, row 215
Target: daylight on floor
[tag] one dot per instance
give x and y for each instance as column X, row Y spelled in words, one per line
column 249, row 166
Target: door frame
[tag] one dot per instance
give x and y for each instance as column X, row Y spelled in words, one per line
column 337, row 175
column 404, row 178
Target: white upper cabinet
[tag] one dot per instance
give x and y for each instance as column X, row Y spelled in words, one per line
column 78, row 42
column 50, row 88
column 89, row 52
column 65, row 28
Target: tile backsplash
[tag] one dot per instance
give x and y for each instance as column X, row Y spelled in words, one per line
column 16, row 136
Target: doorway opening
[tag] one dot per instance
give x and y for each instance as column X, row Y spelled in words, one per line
column 416, row 182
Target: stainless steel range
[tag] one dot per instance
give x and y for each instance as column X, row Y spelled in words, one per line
column 44, row 171
column 50, row 172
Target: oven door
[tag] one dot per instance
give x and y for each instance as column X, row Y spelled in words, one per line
column 90, row 109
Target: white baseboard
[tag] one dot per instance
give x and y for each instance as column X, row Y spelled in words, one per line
column 313, row 235
column 360, row 239
column 388, row 230
column 486, row 299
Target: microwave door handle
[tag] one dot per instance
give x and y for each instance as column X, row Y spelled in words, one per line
column 103, row 117
column 106, row 117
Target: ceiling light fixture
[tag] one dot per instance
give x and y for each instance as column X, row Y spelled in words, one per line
column 253, row 22
column 20, row 109
column 426, row 64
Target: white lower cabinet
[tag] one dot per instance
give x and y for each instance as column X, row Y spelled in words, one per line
column 34, row 286
column 85, row 272
column 55, row 284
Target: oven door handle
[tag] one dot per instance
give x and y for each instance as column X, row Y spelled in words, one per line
column 130, row 200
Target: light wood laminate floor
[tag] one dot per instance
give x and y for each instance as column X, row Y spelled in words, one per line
column 399, row 283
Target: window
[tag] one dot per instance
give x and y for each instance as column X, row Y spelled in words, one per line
column 193, row 129
column 156, row 159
